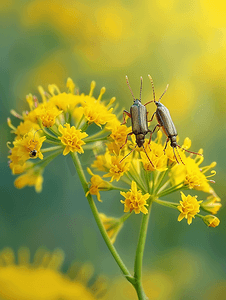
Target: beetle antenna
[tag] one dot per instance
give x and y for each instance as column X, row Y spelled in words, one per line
column 180, row 157
column 163, row 93
column 127, row 80
column 148, row 157
column 190, row 151
column 153, row 88
column 35, row 132
column 175, row 155
column 127, row 154
column 141, row 82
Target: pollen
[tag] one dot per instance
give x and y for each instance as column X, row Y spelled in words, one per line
column 134, row 200
column 72, row 138
column 189, row 207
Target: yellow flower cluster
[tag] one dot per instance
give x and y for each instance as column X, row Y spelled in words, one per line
column 62, row 119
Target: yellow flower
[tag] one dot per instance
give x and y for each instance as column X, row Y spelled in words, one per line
column 27, row 147
column 100, row 162
column 211, row 221
column 134, row 200
column 116, row 168
column 32, row 177
column 211, row 204
column 71, row 138
column 25, row 127
column 47, row 112
column 94, row 110
column 191, row 175
column 97, row 185
column 65, row 101
column 42, row 279
column 188, row 207
column 119, row 134
column 111, row 225
column 156, row 155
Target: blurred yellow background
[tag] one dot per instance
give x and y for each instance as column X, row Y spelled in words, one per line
column 179, row 42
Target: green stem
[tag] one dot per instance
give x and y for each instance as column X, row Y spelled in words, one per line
column 103, row 232
column 80, row 121
column 166, row 203
column 172, row 189
column 43, row 163
column 161, row 178
column 48, row 135
column 96, row 140
column 45, row 150
column 125, row 217
column 139, row 255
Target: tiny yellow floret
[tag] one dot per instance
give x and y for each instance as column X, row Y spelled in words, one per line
column 117, row 168
column 134, row 200
column 72, row 138
column 97, row 185
column 189, row 207
column 211, row 204
column 31, row 178
column 111, row 225
column 211, row 221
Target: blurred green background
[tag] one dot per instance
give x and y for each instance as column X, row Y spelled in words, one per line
column 179, row 42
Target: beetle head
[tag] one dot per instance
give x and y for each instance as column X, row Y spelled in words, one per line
column 173, row 141
column 140, row 139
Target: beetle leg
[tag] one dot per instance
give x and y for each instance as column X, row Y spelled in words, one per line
column 153, row 132
column 152, row 116
column 148, row 102
column 127, row 154
column 164, row 150
column 126, row 139
column 128, row 114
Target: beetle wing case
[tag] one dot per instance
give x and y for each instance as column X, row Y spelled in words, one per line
column 165, row 120
column 139, row 118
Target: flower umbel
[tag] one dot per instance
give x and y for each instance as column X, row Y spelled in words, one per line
column 189, row 207
column 134, row 200
column 72, row 138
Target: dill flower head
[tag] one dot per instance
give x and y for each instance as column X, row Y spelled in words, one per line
column 60, row 118
column 94, row 110
column 29, row 146
column 116, row 167
column 42, row 279
column 191, row 175
column 189, row 207
column 72, row 138
column 134, row 200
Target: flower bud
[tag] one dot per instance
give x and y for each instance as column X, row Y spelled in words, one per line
column 211, row 221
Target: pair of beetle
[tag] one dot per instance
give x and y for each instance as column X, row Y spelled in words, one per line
column 138, row 114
